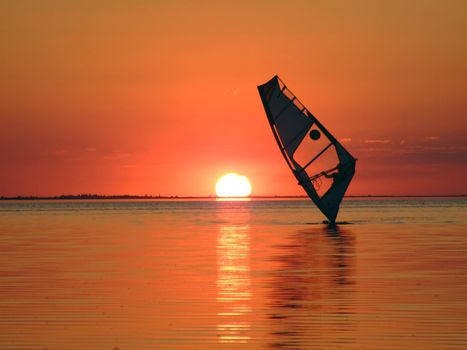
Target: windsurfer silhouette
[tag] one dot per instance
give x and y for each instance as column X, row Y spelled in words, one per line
column 336, row 176
column 290, row 122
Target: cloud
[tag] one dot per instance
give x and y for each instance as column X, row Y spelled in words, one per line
column 432, row 138
column 402, row 142
column 345, row 139
column 233, row 92
column 376, row 141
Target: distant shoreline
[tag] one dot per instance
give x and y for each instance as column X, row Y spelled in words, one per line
column 113, row 197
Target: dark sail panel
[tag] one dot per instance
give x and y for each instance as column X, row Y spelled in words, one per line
column 288, row 120
column 322, row 166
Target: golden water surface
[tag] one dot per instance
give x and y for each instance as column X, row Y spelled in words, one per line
column 233, row 275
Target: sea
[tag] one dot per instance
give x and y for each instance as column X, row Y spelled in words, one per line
column 250, row 274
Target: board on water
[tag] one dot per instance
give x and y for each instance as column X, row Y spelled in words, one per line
column 322, row 166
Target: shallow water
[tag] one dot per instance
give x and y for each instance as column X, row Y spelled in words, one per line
column 230, row 275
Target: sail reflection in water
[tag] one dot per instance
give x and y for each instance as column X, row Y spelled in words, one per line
column 313, row 290
column 233, row 284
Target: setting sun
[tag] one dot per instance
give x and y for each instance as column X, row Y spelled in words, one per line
column 233, row 185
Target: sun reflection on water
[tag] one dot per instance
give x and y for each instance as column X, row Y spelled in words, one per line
column 233, row 283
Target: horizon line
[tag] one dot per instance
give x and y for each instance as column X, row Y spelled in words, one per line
column 85, row 196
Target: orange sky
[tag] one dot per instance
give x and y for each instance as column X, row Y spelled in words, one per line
column 148, row 97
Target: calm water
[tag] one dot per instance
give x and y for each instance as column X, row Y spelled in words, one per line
column 233, row 275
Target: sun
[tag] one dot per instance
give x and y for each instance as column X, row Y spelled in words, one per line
column 233, row 185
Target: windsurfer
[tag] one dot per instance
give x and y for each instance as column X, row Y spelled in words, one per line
column 337, row 174
column 290, row 122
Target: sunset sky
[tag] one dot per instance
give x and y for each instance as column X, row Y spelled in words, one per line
column 160, row 97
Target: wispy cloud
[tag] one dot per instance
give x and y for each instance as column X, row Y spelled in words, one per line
column 376, row 141
column 233, row 92
column 345, row 139
column 432, row 138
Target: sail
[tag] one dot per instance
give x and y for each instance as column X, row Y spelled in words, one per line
column 322, row 166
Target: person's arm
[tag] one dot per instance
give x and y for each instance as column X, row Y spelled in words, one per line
column 328, row 176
